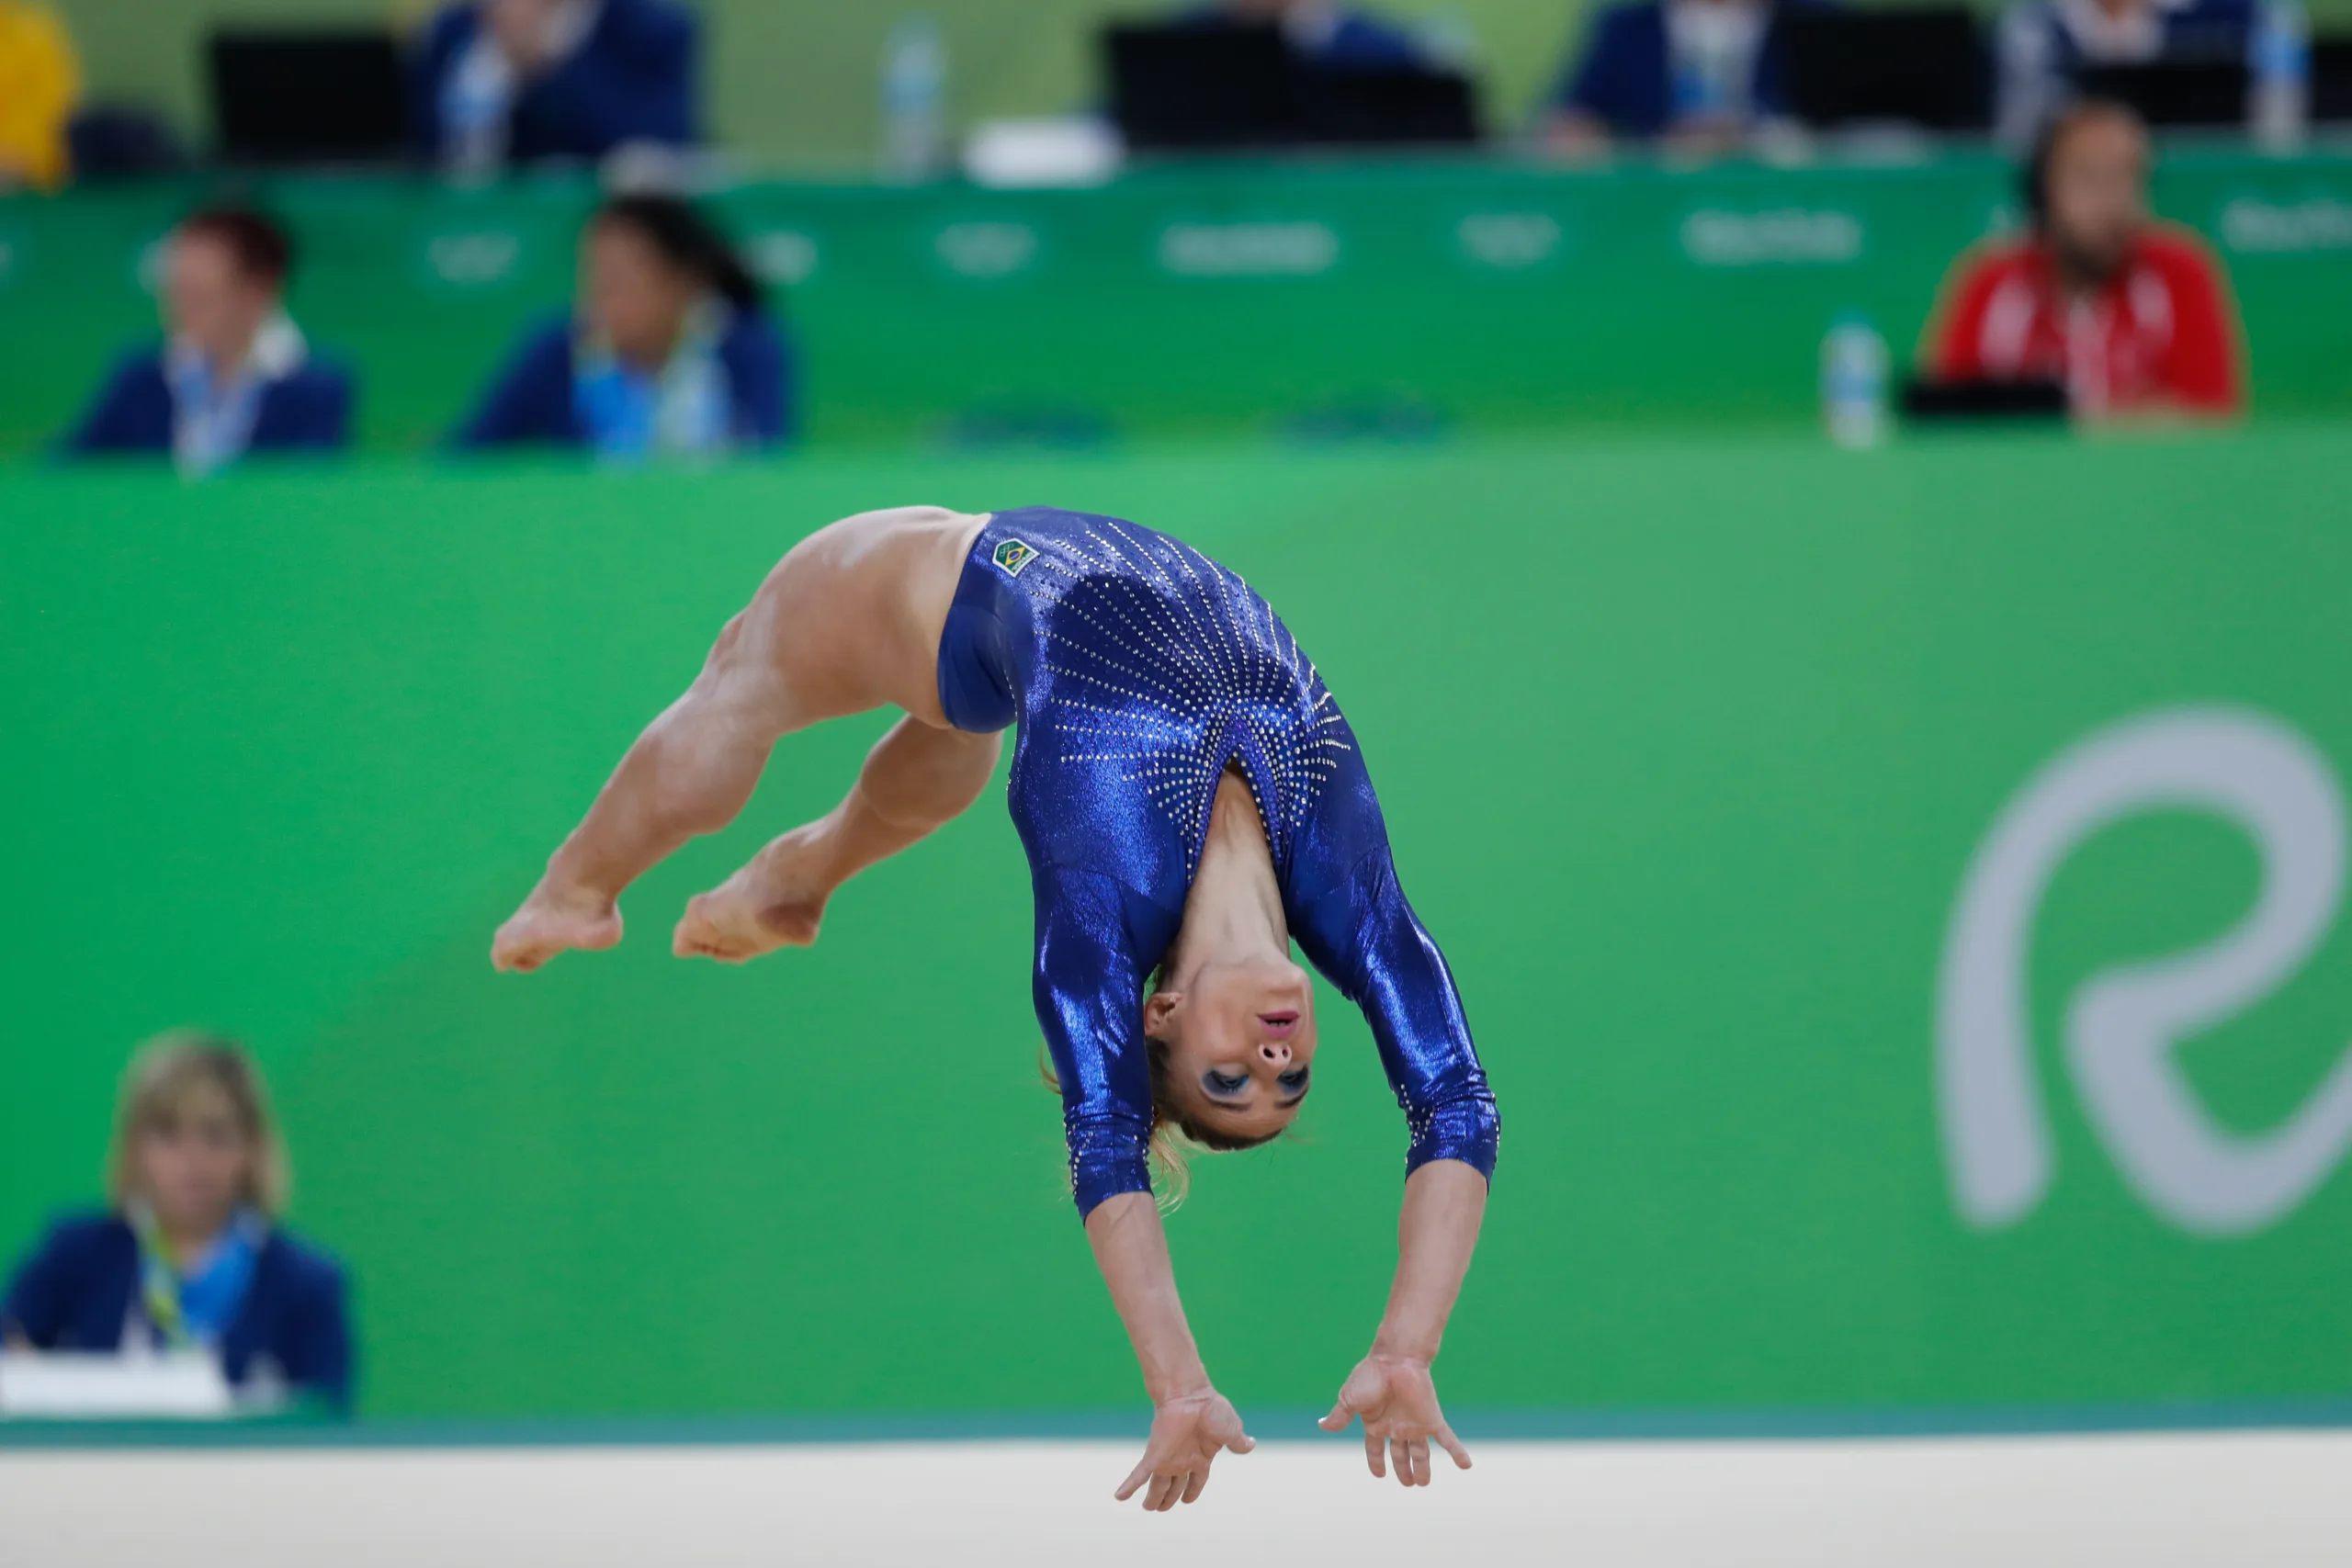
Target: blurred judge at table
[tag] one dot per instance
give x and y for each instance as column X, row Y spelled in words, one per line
column 1321, row 35
column 2042, row 45
column 670, row 349
column 1701, row 74
column 2133, row 317
column 189, row 1253
column 500, row 82
column 234, row 374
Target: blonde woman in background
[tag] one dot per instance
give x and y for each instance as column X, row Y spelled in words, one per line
column 190, row 1254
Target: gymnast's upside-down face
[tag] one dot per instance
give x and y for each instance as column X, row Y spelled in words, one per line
column 1240, row 1039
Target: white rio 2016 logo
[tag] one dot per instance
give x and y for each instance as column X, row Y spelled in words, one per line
column 2125, row 1023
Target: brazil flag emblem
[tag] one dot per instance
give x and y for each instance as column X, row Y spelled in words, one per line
column 1012, row 555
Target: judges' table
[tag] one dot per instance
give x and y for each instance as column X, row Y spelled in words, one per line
column 1310, row 297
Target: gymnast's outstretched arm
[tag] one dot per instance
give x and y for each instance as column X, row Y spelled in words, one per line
column 1392, row 1389
column 1191, row 1422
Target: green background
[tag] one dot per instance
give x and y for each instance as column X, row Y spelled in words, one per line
column 1685, row 745
column 1421, row 295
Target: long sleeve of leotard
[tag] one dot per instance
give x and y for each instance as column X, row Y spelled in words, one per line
column 1089, row 989
column 1365, row 939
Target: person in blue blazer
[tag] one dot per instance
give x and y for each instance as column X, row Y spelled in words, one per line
column 670, row 349
column 499, row 82
column 234, row 374
column 191, row 1255
column 1701, row 73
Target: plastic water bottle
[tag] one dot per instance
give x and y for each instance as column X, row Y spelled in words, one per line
column 1853, row 382
column 473, row 114
column 2281, row 61
column 914, row 78
column 1448, row 41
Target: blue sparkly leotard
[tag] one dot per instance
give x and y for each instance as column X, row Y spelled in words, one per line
column 1140, row 670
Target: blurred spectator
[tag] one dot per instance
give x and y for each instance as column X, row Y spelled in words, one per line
column 1323, row 36
column 518, row 81
column 190, row 1255
column 1699, row 72
column 670, row 349
column 234, row 374
column 2130, row 315
column 2043, row 42
column 39, row 81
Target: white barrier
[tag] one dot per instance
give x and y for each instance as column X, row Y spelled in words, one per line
column 2274, row 1499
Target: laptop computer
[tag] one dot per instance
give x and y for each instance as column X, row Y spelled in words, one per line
column 1186, row 88
column 1176, row 88
column 1929, row 400
column 1405, row 108
column 2177, row 93
column 307, row 96
column 1926, row 67
column 2331, row 79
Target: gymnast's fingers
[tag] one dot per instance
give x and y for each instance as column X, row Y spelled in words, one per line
column 1453, row 1445
column 1156, row 1499
column 1196, row 1483
column 1136, row 1478
column 1419, row 1448
column 1372, row 1453
column 1340, row 1415
column 1400, row 1461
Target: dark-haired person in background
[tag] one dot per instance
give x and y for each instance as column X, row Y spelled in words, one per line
column 1702, row 73
column 670, row 350
column 190, row 1255
column 1322, row 35
column 235, row 375
column 521, row 81
column 2130, row 315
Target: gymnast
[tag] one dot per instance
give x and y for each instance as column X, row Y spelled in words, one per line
column 1191, row 802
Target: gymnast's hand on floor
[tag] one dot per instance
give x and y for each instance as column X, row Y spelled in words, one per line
column 1398, row 1399
column 1186, row 1433
column 550, row 921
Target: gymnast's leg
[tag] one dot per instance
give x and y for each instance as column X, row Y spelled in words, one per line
column 848, row 621
column 916, row 779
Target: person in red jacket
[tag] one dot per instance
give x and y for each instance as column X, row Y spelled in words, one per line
column 2133, row 316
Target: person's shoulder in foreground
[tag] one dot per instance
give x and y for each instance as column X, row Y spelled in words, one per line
column 77, row 1248
column 75, row 1290
column 529, row 401
column 309, row 407
column 759, row 368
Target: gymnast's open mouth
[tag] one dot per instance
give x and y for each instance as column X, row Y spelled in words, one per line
column 1278, row 1025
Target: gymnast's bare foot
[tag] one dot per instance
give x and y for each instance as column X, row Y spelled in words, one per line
column 777, row 901
column 549, row 921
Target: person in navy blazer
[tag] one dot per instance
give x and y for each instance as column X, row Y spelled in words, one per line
column 1701, row 72
column 235, row 375
column 191, row 1254
column 523, row 81
column 670, row 349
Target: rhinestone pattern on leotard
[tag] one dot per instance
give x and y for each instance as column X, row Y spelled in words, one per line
column 1141, row 670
